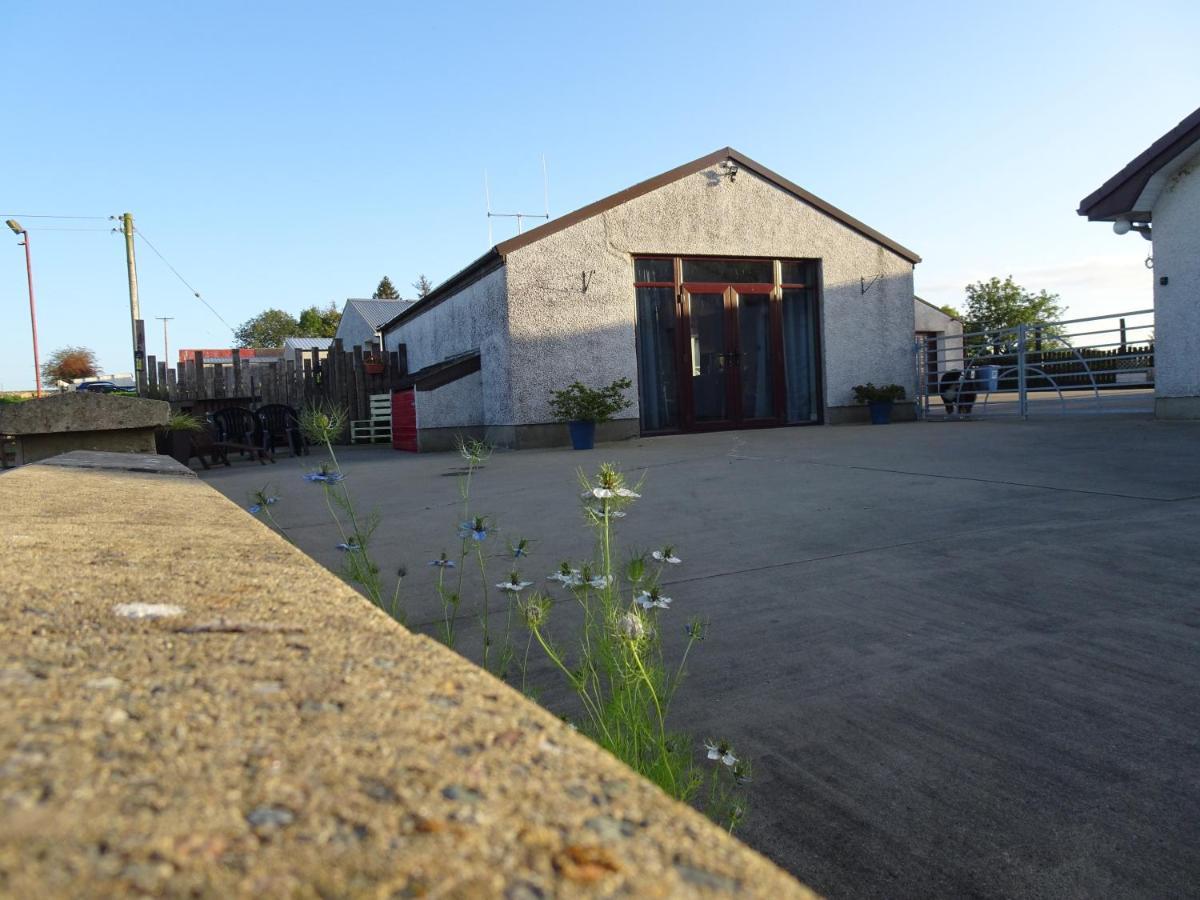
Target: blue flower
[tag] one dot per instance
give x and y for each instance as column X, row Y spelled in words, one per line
column 255, row 509
column 442, row 562
column 347, row 547
column 520, row 548
column 326, row 476
column 475, row 529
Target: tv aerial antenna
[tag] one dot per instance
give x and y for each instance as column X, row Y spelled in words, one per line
column 519, row 216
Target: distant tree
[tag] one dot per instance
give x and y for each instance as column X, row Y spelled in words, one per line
column 423, row 286
column 316, row 321
column 386, row 290
column 268, row 329
column 69, row 363
column 995, row 305
column 951, row 312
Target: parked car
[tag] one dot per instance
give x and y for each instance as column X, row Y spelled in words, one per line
column 99, row 387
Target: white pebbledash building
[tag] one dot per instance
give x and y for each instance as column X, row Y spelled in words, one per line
column 1158, row 196
column 728, row 295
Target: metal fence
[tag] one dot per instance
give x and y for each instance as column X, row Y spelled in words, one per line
column 1098, row 364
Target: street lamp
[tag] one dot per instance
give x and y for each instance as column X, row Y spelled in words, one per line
column 21, row 232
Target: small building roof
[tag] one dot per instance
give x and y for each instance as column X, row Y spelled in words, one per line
column 494, row 258
column 307, row 343
column 379, row 312
column 937, row 308
column 1134, row 189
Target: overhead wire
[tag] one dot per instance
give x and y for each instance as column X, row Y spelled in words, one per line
column 36, row 216
column 195, row 292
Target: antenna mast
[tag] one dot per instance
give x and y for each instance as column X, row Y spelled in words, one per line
column 519, row 216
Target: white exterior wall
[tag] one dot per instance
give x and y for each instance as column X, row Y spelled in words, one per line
column 1176, row 232
column 560, row 334
column 354, row 330
column 473, row 319
column 453, row 405
column 948, row 329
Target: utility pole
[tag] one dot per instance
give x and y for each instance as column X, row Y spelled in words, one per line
column 165, row 320
column 37, row 369
column 135, row 312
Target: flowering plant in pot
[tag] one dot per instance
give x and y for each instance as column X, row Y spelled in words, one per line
column 582, row 408
column 175, row 438
column 879, row 399
column 373, row 363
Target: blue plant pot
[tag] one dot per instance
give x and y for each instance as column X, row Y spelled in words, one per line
column 881, row 412
column 583, row 435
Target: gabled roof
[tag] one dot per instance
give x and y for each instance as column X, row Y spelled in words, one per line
column 937, row 308
column 1121, row 193
column 307, row 343
column 378, row 312
column 495, row 257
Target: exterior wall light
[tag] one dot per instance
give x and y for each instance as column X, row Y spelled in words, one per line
column 730, row 168
column 1124, row 226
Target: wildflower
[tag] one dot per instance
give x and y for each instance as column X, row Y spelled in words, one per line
column 601, row 513
column 536, row 610
column 566, row 576
column 350, row 545
column 514, row 584
column 631, row 627
column 520, row 548
column 323, row 425
column 600, row 582
column 402, row 572
column 476, row 529
column 600, row 493
column 741, row 772
column 474, row 452
column 722, row 751
column 443, row 562
column 652, row 599
column 261, row 499
column 326, row 475
column 666, row 555
column 697, row 629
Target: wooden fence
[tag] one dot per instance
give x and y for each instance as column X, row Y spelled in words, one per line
column 336, row 377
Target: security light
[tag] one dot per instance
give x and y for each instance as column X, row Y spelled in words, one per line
column 1122, row 226
column 15, row 226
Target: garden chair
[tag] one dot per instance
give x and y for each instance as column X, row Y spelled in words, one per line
column 379, row 426
column 281, row 426
column 239, row 429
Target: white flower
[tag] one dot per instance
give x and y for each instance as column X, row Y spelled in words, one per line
column 721, row 751
column 600, row 582
column 514, row 586
column 651, row 600
column 599, row 513
column 666, row 556
column 630, row 626
column 569, row 579
column 600, row 493
column 626, row 492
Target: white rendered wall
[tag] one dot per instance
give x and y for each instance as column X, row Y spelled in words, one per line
column 559, row 333
column 472, row 319
column 354, row 330
column 948, row 329
column 453, row 405
column 1176, row 230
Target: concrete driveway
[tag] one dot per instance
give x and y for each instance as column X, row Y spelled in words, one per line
column 963, row 657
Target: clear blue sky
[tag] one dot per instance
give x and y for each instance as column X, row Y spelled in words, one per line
column 290, row 153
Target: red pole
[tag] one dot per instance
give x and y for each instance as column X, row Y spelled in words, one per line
column 37, row 369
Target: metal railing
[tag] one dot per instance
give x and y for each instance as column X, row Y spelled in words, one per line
column 1093, row 364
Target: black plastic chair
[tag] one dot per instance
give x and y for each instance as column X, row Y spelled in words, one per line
column 239, row 429
column 281, row 426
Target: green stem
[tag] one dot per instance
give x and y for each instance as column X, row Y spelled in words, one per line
column 662, row 725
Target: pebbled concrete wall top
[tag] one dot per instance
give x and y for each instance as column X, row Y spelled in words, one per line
column 235, row 721
column 81, row 411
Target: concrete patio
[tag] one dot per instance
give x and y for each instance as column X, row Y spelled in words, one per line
column 962, row 656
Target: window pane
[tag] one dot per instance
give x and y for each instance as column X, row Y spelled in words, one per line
column 797, row 272
column 708, row 356
column 729, row 271
column 654, row 270
column 800, row 354
column 658, row 392
column 754, row 356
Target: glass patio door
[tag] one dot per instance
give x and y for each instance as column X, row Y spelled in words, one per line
column 732, row 356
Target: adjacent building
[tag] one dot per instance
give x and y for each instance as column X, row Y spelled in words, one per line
column 1157, row 195
column 362, row 320
column 730, row 296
